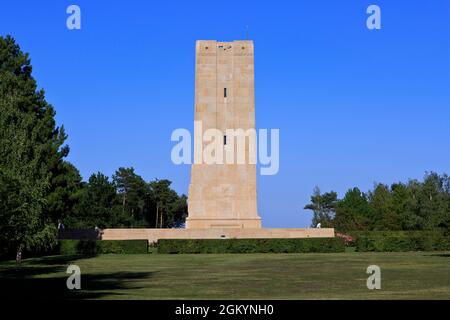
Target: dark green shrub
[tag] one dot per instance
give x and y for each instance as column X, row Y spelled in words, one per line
column 92, row 247
column 401, row 241
column 251, row 245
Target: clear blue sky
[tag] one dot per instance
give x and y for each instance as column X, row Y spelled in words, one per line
column 353, row 106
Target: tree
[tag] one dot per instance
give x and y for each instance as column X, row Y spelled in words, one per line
column 98, row 205
column 353, row 212
column 384, row 217
column 65, row 190
column 127, row 201
column 405, row 204
column 169, row 208
column 30, row 144
column 412, row 206
column 433, row 199
column 323, row 207
column 179, row 212
column 445, row 222
column 134, row 193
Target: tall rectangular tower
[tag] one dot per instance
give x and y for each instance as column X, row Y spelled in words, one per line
column 224, row 195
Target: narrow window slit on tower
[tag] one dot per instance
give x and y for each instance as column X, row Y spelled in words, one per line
column 224, row 140
column 224, row 92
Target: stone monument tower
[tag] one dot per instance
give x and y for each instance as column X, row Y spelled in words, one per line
column 223, row 195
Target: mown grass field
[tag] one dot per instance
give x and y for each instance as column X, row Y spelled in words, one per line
column 412, row 275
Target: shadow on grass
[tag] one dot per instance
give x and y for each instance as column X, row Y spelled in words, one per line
column 45, row 278
column 59, row 260
column 443, row 255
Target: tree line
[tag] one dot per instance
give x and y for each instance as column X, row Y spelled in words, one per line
column 39, row 187
column 125, row 201
column 415, row 205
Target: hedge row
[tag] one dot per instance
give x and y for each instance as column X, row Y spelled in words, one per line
column 92, row 247
column 424, row 233
column 377, row 241
column 250, row 245
column 398, row 241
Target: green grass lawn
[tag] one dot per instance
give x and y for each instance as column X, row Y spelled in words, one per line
column 412, row 275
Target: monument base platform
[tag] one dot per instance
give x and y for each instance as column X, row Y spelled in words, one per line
column 223, row 223
column 152, row 235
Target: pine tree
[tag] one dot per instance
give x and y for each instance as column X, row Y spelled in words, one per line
column 30, row 145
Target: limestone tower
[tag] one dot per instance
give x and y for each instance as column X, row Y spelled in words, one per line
column 224, row 195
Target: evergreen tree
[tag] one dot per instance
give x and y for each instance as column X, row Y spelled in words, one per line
column 134, row 193
column 384, row 217
column 353, row 212
column 433, row 199
column 412, row 206
column 98, row 206
column 64, row 192
column 323, row 207
column 30, row 145
column 166, row 203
